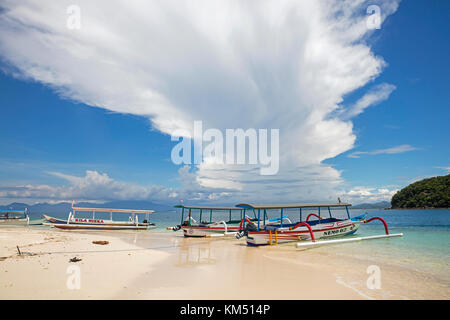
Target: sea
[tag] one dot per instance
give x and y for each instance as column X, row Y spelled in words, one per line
column 424, row 247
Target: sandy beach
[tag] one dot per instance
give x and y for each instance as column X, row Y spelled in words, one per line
column 165, row 265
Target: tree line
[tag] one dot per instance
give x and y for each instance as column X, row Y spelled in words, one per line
column 427, row 193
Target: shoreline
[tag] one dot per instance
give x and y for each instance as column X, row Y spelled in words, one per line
column 161, row 265
column 426, row 208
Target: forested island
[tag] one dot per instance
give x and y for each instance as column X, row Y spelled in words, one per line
column 427, row 193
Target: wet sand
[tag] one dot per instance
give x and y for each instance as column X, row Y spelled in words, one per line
column 165, row 265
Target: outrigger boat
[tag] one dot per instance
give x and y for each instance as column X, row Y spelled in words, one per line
column 320, row 228
column 206, row 227
column 8, row 216
column 94, row 223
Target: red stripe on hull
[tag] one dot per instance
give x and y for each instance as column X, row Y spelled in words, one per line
column 305, row 231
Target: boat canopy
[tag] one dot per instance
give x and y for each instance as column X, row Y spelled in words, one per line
column 291, row 205
column 113, row 210
column 207, row 207
column 13, row 211
column 210, row 209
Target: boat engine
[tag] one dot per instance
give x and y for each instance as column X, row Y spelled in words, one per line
column 240, row 234
column 249, row 227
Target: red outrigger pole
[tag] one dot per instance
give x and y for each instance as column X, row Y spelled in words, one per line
column 242, row 222
column 386, row 229
column 317, row 231
column 312, row 214
column 382, row 220
column 306, row 225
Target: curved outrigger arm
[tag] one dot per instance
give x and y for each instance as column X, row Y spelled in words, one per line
column 220, row 222
column 278, row 219
column 225, row 227
column 307, row 226
column 382, row 220
column 362, row 219
column 312, row 215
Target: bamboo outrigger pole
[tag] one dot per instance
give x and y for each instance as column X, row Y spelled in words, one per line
column 318, row 243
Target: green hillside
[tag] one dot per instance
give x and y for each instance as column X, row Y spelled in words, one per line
column 427, row 193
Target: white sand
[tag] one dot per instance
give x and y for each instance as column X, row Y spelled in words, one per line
column 151, row 265
column 106, row 270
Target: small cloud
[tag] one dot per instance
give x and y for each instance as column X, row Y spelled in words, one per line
column 444, row 168
column 393, row 150
column 374, row 96
column 390, row 126
column 361, row 194
column 414, row 80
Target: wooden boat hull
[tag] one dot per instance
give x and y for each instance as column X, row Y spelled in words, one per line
column 95, row 224
column 71, row 226
column 13, row 221
column 205, row 231
column 320, row 231
column 215, row 229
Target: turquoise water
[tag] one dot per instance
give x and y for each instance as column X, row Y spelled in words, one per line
column 425, row 246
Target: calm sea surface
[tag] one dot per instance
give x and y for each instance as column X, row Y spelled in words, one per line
column 425, row 246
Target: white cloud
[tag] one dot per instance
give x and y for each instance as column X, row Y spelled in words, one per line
column 98, row 187
column 374, row 96
column 93, row 186
column 361, row 194
column 445, row 169
column 317, row 182
column 393, row 150
column 233, row 64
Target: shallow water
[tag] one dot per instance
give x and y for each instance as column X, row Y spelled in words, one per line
column 425, row 246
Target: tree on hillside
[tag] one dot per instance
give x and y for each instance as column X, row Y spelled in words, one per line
column 427, row 193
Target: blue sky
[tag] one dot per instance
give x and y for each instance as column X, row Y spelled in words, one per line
column 414, row 42
column 44, row 132
column 53, row 131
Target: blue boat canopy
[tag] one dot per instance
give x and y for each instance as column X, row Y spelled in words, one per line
column 207, row 207
column 13, row 211
column 291, row 205
column 112, row 210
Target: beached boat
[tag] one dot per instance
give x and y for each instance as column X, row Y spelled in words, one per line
column 96, row 223
column 228, row 221
column 13, row 217
column 305, row 229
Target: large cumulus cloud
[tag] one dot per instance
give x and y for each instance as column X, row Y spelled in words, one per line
column 232, row 64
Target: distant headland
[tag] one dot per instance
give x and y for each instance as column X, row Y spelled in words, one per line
column 431, row 193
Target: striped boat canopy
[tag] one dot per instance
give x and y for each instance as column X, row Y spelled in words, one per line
column 291, row 205
column 113, row 210
column 206, row 207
